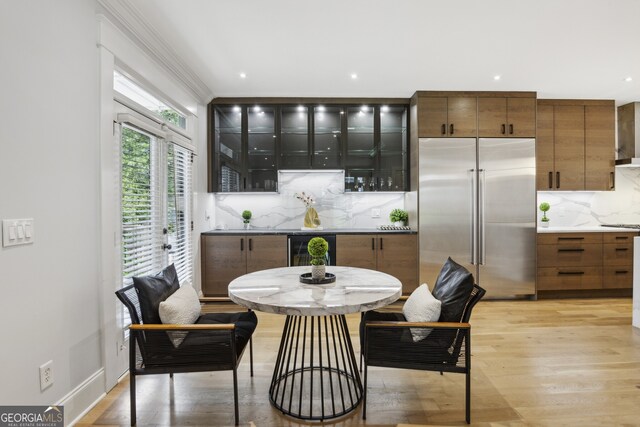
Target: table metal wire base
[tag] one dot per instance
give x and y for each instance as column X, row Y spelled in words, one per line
column 315, row 377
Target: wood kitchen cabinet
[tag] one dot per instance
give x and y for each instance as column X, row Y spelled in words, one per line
column 226, row 257
column 575, row 145
column 506, row 117
column 449, row 116
column 585, row 261
column 394, row 254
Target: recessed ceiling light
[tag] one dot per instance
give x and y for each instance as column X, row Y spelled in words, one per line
column 320, row 108
column 243, row 75
column 300, row 108
column 354, row 76
column 628, row 79
column 497, row 77
column 256, row 109
column 385, row 108
column 236, row 109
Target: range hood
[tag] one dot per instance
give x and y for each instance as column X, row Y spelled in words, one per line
column 629, row 135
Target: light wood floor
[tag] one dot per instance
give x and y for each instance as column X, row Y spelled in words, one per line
column 541, row 363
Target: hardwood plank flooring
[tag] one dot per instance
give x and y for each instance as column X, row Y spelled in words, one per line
column 571, row 362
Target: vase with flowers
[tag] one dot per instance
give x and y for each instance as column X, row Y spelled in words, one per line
column 311, row 219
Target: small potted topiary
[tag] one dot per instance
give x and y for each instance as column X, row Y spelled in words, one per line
column 544, row 207
column 399, row 217
column 246, row 218
column 317, row 248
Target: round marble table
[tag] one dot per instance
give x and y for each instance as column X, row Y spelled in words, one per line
column 315, row 376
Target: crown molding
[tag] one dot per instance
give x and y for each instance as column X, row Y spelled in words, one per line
column 147, row 38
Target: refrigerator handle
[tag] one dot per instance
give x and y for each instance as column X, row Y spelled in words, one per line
column 481, row 245
column 472, row 228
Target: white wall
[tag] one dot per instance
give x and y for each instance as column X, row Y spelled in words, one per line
column 49, row 171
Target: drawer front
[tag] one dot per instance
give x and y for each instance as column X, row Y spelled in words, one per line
column 618, row 237
column 565, row 278
column 568, row 238
column 617, row 254
column 570, row 255
column 620, row 277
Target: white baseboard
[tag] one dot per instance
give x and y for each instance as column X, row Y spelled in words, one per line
column 81, row 399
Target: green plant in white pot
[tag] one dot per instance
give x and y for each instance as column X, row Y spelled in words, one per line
column 318, row 248
column 246, row 219
column 399, row 217
column 544, row 207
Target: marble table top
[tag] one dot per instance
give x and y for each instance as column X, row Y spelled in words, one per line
column 279, row 291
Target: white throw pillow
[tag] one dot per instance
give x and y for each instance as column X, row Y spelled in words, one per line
column 421, row 306
column 181, row 308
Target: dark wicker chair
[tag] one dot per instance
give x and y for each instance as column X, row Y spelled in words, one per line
column 387, row 342
column 215, row 342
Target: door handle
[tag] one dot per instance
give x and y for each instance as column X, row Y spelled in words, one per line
column 451, row 129
column 504, row 129
column 472, row 223
column 481, row 243
column 443, row 129
column 511, row 129
column 557, row 179
column 550, row 179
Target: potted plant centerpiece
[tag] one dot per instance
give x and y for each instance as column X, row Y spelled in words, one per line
column 246, row 218
column 399, row 217
column 544, row 207
column 317, row 248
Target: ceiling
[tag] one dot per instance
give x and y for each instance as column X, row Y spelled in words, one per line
column 298, row 48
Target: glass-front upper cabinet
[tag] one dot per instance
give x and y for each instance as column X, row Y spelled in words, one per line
column 294, row 137
column 392, row 173
column 327, row 137
column 362, row 154
column 261, row 149
column 250, row 141
column 228, row 148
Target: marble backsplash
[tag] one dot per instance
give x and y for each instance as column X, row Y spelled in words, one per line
column 282, row 210
column 592, row 208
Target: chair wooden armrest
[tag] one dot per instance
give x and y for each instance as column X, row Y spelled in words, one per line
column 435, row 325
column 173, row 327
column 209, row 300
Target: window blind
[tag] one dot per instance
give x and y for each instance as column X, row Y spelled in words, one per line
column 141, row 203
column 179, row 215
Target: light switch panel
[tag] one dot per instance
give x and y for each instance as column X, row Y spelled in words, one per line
column 17, row 232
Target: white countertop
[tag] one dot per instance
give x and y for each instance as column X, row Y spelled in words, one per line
column 279, row 291
column 585, row 229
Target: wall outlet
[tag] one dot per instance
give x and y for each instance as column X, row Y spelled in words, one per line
column 375, row 213
column 46, row 375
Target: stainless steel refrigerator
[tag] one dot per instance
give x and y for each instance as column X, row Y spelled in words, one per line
column 477, row 204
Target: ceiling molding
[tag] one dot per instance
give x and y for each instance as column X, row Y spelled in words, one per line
column 130, row 20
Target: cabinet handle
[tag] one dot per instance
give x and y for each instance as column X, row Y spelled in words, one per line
column 511, row 129
column 570, row 250
column 250, row 244
column 550, row 179
column 381, row 244
column 242, row 244
column 612, row 180
column 570, row 238
column 244, row 183
column 504, row 130
column 373, row 243
column 571, row 273
column 451, row 129
column 622, row 249
column 622, row 237
column 443, row 129
column 622, row 271
column 557, row 179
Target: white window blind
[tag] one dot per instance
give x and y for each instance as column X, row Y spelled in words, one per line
column 142, row 210
column 179, row 216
